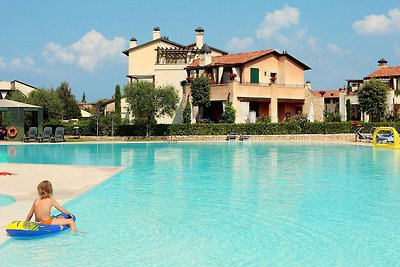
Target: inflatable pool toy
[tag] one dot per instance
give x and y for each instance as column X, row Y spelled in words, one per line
column 32, row 229
column 386, row 137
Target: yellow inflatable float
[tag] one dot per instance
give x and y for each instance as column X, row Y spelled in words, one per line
column 386, row 137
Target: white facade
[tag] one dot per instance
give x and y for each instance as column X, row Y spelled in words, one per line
column 7, row 87
column 163, row 62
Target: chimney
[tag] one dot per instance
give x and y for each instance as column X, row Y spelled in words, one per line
column 133, row 42
column 156, row 33
column 382, row 63
column 199, row 37
column 205, row 55
column 308, row 85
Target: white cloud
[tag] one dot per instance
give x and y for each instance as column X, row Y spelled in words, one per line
column 379, row 24
column 277, row 20
column 334, row 49
column 237, row 44
column 313, row 44
column 54, row 52
column 25, row 63
column 89, row 52
column 301, row 33
column 2, row 63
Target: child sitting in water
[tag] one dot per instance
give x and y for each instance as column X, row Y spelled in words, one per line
column 42, row 207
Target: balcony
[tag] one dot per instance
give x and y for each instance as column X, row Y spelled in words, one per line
column 256, row 91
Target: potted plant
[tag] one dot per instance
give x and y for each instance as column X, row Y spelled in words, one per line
column 232, row 76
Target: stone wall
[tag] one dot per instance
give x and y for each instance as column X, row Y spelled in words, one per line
column 297, row 137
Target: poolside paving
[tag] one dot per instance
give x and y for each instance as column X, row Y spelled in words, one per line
column 68, row 183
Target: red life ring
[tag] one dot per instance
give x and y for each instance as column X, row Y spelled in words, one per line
column 12, row 132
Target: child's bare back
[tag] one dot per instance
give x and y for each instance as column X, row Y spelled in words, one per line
column 41, row 207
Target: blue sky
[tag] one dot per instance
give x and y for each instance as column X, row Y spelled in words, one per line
column 47, row 42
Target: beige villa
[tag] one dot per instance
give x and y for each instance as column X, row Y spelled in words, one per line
column 258, row 83
column 389, row 75
column 336, row 100
column 163, row 62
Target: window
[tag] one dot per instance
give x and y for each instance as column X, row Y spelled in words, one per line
column 273, row 77
column 254, row 75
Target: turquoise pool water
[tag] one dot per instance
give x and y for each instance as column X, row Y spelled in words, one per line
column 5, row 200
column 225, row 204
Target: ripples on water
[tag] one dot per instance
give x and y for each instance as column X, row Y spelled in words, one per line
column 224, row 204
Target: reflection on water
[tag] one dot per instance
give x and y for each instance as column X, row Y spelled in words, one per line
column 4, row 154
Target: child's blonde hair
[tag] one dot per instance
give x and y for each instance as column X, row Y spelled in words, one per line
column 45, row 189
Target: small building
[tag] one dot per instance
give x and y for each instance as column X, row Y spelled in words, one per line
column 7, row 87
column 337, row 101
column 331, row 100
column 388, row 75
column 15, row 117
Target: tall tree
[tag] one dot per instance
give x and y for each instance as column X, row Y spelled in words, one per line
column 373, row 99
column 200, row 91
column 117, row 98
column 47, row 99
column 348, row 110
column 84, row 98
column 187, row 113
column 148, row 102
column 69, row 104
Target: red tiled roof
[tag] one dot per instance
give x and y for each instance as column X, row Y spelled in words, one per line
column 327, row 93
column 233, row 59
column 385, row 72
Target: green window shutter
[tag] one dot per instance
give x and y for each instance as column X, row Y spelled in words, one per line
column 254, row 75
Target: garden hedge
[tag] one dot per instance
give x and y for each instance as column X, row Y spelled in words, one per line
column 88, row 128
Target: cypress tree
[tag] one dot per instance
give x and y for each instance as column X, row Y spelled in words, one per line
column 117, row 98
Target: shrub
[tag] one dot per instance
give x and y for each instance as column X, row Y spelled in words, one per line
column 229, row 114
column 280, row 128
column 187, row 113
column 263, row 119
column 333, row 117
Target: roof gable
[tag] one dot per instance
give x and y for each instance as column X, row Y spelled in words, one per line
column 385, row 72
column 5, row 103
column 234, row 59
column 242, row 58
column 327, row 93
column 161, row 40
column 211, row 47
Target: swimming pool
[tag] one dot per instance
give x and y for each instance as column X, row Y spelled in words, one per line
column 224, row 204
column 5, row 200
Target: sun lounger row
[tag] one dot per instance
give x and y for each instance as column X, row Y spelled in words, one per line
column 242, row 137
column 47, row 135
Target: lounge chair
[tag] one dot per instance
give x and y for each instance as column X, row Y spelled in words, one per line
column 361, row 136
column 244, row 137
column 59, row 135
column 231, row 137
column 47, row 134
column 32, row 134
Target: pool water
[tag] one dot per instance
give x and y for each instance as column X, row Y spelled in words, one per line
column 224, row 204
column 5, row 200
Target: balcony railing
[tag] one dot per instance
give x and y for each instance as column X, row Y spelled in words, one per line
column 281, row 85
column 277, row 85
